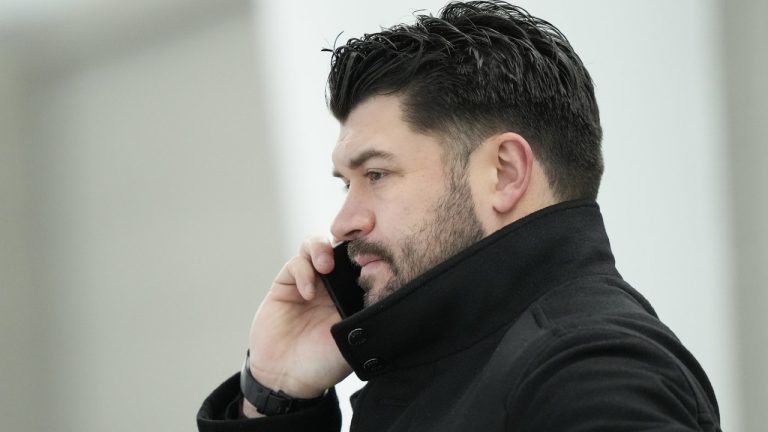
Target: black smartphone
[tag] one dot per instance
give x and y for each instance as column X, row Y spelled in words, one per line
column 342, row 283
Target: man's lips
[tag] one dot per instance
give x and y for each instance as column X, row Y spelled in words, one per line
column 363, row 260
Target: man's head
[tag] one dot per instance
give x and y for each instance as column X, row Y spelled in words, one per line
column 478, row 69
column 484, row 110
column 403, row 213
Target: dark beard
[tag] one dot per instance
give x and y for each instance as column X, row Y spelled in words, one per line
column 453, row 227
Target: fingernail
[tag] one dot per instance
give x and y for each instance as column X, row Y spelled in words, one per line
column 324, row 260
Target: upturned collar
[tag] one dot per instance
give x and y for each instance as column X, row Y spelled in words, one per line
column 478, row 291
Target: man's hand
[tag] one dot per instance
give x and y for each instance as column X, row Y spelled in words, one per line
column 290, row 341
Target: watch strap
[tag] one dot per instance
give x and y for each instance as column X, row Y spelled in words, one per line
column 266, row 400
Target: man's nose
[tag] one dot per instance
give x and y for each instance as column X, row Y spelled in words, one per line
column 353, row 221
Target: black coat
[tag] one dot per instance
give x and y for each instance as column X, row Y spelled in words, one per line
column 531, row 329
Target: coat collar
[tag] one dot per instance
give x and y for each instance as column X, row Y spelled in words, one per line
column 478, row 291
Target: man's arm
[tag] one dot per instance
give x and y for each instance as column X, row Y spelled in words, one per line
column 221, row 412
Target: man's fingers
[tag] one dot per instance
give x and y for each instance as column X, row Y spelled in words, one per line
column 318, row 250
column 305, row 277
column 297, row 272
column 315, row 255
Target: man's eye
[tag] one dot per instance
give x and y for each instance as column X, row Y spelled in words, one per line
column 374, row 176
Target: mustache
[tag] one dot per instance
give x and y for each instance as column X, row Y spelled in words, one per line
column 362, row 247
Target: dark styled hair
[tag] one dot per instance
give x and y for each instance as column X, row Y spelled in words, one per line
column 480, row 68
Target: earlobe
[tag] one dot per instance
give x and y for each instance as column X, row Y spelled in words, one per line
column 514, row 165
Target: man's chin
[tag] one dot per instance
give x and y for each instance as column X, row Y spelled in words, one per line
column 376, row 290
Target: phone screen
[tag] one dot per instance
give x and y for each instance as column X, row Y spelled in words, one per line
column 342, row 283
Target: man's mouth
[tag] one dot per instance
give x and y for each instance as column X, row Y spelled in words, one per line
column 372, row 257
column 370, row 264
column 364, row 260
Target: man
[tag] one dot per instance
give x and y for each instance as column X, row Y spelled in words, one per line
column 470, row 148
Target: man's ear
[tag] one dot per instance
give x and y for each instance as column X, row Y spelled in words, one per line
column 514, row 165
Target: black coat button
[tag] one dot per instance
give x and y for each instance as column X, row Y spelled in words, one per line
column 373, row 365
column 357, row 337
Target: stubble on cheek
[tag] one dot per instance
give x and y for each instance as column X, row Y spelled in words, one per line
column 452, row 226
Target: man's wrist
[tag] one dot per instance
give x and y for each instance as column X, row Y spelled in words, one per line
column 250, row 411
column 260, row 400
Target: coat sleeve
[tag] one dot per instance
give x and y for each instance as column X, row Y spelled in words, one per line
column 590, row 381
column 220, row 412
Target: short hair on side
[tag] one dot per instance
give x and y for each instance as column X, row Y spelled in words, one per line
column 477, row 69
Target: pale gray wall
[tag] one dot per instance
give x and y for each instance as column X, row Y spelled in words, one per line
column 19, row 319
column 746, row 66
column 148, row 189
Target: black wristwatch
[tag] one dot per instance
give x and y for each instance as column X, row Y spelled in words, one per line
column 266, row 400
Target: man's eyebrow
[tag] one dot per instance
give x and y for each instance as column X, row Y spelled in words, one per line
column 357, row 161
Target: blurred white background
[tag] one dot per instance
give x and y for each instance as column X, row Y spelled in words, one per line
column 160, row 160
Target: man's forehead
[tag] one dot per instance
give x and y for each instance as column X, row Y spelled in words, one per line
column 358, row 143
column 373, row 122
column 376, row 130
